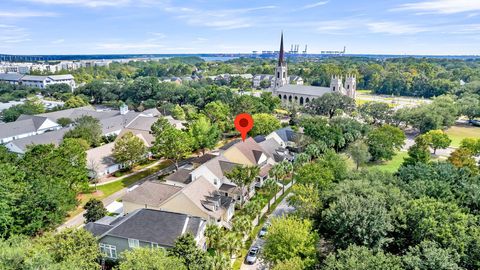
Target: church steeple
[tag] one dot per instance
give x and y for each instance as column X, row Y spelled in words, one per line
column 281, row 76
column 281, row 60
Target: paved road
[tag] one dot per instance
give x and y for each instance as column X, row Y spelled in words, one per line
column 79, row 220
column 282, row 208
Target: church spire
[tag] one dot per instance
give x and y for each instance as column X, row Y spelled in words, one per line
column 281, row 54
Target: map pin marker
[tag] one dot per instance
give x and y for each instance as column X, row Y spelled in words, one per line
column 243, row 123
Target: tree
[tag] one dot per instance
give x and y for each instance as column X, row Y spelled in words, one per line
column 419, row 152
column 358, row 151
column 316, row 174
column 361, row 258
column 305, row 200
column 64, row 121
column 29, row 107
column 75, row 102
column 469, row 105
column 471, row 144
column 129, row 149
column 178, row 113
column 214, row 234
column 219, row 113
column 438, row 140
column 87, row 128
column 376, row 112
column 384, row 141
column 204, row 134
column 428, row 255
column 231, row 244
column 94, row 210
column 243, row 176
column 463, row 158
column 329, row 103
column 242, row 225
column 264, row 124
column 336, row 163
column 149, row 258
column 171, row 143
column 290, row 264
column 290, row 237
column 353, row 219
column 185, row 248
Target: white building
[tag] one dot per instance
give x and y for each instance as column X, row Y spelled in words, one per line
column 43, row 81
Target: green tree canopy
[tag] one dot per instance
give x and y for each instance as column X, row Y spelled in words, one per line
column 264, row 124
column 384, row 141
column 129, row 149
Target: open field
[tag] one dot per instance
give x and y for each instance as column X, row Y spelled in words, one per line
column 458, row 133
column 391, row 165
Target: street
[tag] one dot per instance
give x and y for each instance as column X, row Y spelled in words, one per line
column 282, row 208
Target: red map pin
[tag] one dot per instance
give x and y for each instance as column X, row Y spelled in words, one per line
column 243, row 123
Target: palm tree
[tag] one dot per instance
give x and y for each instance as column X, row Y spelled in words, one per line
column 242, row 225
column 271, row 186
column 277, row 171
column 219, row 261
column 231, row 243
column 213, row 233
column 243, row 176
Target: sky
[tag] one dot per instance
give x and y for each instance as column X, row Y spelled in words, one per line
column 434, row 27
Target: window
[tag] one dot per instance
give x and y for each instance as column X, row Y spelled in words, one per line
column 133, row 243
column 108, row 250
column 154, row 245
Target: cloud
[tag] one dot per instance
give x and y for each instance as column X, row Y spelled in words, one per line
column 58, row 41
column 13, row 34
column 224, row 19
column 441, row 6
column 394, row 28
column 25, row 14
column 87, row 3
column 314, row 5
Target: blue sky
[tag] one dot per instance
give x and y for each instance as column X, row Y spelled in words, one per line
column 208, row 26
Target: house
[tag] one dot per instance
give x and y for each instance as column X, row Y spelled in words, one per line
column 11, row 78
column 145, row 228
column 198, row 198
column 43, row 81
column 26, row 126
column 257, row 79
column 20, row 146
column 100, row 161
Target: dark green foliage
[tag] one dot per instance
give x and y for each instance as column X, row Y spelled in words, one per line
column 94, row 210
column 30, row 107
column 384, row 141
column 87, row 128
column 361, row 258
column 185, row 249
column 329, row 103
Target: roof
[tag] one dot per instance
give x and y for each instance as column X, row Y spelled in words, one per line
column 101, row 157
column 142, row 123
column 12, row 129
column 151, row 193
column 230, row 188
column 286, row 134
column 265, row 170
column 314, row 91
column 204, row 194
column 250, row 149
column 10, row 76
column 270, row 145
column 150, row 225
column 54, row 137
column 203, row 159
column 61, row 77
column 229, row 144
column 180, row 176
column 33, row 78
column 281, row 60
column 37, row 120
column 259, row 138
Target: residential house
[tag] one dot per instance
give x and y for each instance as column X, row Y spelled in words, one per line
column 198, row 198
column 11, row 78
column 257, row 79
column 26, row 126
column 20, row 146
column 145, row 228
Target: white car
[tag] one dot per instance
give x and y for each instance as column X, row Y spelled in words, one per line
column 252, row 255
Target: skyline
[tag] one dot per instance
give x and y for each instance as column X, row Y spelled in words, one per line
column 425, row 27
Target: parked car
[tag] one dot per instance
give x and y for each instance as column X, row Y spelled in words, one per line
column 252, row 255
column 263, row 231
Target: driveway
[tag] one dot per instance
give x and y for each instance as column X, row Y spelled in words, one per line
column 282, row 209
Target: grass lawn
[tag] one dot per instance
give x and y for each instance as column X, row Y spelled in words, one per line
column 458, row 133
column 367, row 92
column 108, row 189
column 390, row 166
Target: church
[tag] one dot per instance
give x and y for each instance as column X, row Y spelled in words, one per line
column 303, row 94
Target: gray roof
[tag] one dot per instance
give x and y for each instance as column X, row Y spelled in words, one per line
column 142, row 123
column 286, row 134
column 61, row 77
column 152, row 226
column 100, row 158
column 313, row 91
column 270, row 145
column 151, row 193
column 33, row 78
column 203, row 159
column 181, row 176
column 54, row 137
column 37, row 120
column 16, row 128
column 10, row 77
